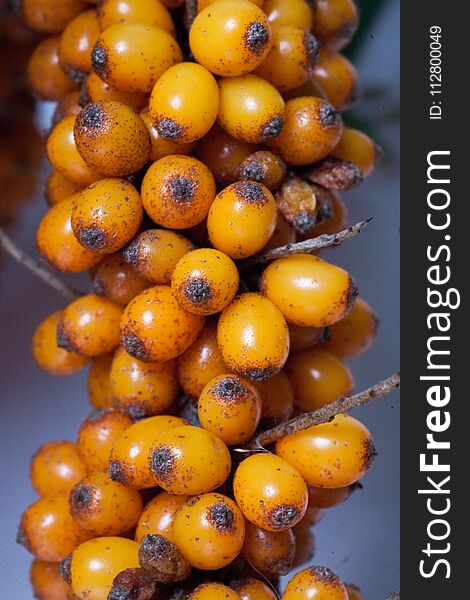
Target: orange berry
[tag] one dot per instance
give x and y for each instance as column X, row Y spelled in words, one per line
column 317, row 582
column 58, row 187
column 46, row 581
column 147, row 12
column 322, row 498
column 309, row 88
column 115, row 279
column 201, row 5
column 210, row 591
column 162, row 561
column 335, row 22
column 99, row 382
column 337, row 222
column 56, row 468
column 277, row 398
column 354, row 593
column 161, row 147
column 70, row 104
column 95, row 90
column 296, row 13
column 269, row 552
column 158, row 515
column 337, row 77
column 49, row 16
column 283, row 234
column 45, row 76
column 263, row 167
column 76, row 42
column 358, row 148
column 304, row 338
column 254, row 589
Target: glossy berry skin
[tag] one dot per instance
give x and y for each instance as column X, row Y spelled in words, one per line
column 309, row 291
column 47, row 529
column 115, row 279
column 76, row 43
column 63, row 154
column 315, row 582
column 129, row 462
column 277, row 398
column 230, row 407
column 317, row 378
column 331, row 455
column 296, row 13
column 112, row 138
column 177, row 113
column 283, row 234
column 151, row 312
column 253, row 589
column 270, row 552
column 48, row 355
column 201, row 5
column 263, row 167
column 304, row 338
column 335, row 22
column 253, row 337
column 97, row 435
column 99, row 382
column 46, row 78
column 147, row 12
column 188, row 460
column 154, row 254
column 105, row 507
column 241, row 219
column 251, row 109
column 338, row 78
column 311, row 131
column 133, row 56
column 298, row 203
column 358, row 148
column 56, row 468
column 205, row 281
column 291, row 60
column 201, row 362
column 209, row 531
column 58, row 245
column 94, row 565
column 90, row 326
column 49, row 16
column 309, row 88
column 158, row 515
column 354, row 593
column 107, row 215
column 177, row 191
column 58, row 187
column 272, row 480
column 142, row 389
column 95, row 89
column 161, row 147
column 322, row 498
column 47, row 582
column 211, row 591
column 230, row 38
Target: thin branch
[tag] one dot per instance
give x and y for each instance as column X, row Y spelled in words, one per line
column 20, row 256
column 324, row 414
column 308, row 246
column 394, row 596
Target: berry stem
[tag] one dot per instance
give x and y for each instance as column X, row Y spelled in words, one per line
column 19, row 255
column 308, row 246
column 325, row 413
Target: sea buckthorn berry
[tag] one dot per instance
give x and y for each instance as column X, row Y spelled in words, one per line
column 277, row 399
column 209, row 531
column 129, row 462
column 155, row 253
column 201, row 362
column 230, row 37
column 315, row 582
column 112, row 138
column 147, row 12
column 338, row 220
column 291, row 59
column 157, row 516
column 161, row 558
column 201, row 5
column 270, row 492
column 159, row 146
column 335, row 22
column 177, row 191
column 210, row 591
column 46, row 581
column 251, row 109
column 188, row 460
column 142, row 389
column 96, row 437
column 298, row 204
column 309, row 88
column 311, row 131
column 76, row 42
column 283, row 234
column 304, row 338
column 230, row 407
column 296, row 13
column 270, row 552
column 56, row 468
column 223, row 154
column 318, row 378
column 48, row 355
column 205, row 281
column 149, row 314
column 133, row 583
column 50, row 16
column 337, row 76
column 253, row 337
column 90, row 326
column 177, row 113
column 358, row 148
column 58, row 187
column 63, row 154
column 308, row 290
column 354, row 593
column 263, row 167
column 328, row 498
column 45, row 76
column 133, row 56
column 115, row 279
column 253, row 589
column 95, row 90
column 99, row 382
column 92, row 566
column 70, row 105
column 241, row 219
column 107, row 215
column 57, row 243
column 331, row 455
column 105, row 507
column 354, row 334
column 47, row 529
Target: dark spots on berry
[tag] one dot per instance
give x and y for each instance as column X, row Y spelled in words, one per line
column 162, row 463
column 169, row 129
column 258, row 374
column 284, row 516
column 92, row 237
column 304, row 222
column 137, row 411
column 99, row 59
column 256, row 37
column 336, row 174
column 182, row 189
column 98, row 285
column 280, row 565
column 155, row 547
column 197, row 290
column 91, row 117
column 73, row 73
column 250, row 192
column 81, row 498
column 353, row 291
column 117, row 472
column 222, row 516
column 133, row 584
column 253, row 170
column 328, row 115
column 22, row 538
column 97, row 415
column 272, row 128
column 63, row 340
column 369, row 453
column 135, row 347
column 65, row 569
column 324, row 575
column 312, row 47
column 230, row 389
column 131, row 253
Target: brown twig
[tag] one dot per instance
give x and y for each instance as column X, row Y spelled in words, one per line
column 19, row 255
column 308, row 246
column 324, row 414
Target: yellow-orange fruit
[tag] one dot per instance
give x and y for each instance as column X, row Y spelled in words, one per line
column 76, row 42
column 56, row 468
column 315, row 582
column 45, row 76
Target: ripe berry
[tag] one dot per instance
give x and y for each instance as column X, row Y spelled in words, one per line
column 358, row 148
column 314, row 582
column 277, row 399
column 76, row 42
column 47, row 582
column 46, row 78
column 269, row 552
column 335, row 22
column 95, row 90
column 99, row 382
column 263, row 167
column 147, row 12
column 296, row 13
column 56, row 468
column 304, row 338
column 322, row 498
column 58, row 187
column 161, row 147
column 210, row 591
column 115, row 279
column 354, row 593
column 253, row 589
column 337, row 77
column 157, row 516
column 48, row 16
column 162, row 560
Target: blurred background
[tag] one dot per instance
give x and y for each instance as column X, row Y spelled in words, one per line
column 359, row 539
